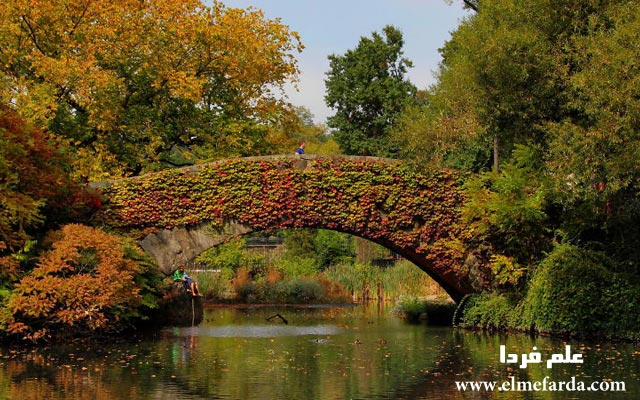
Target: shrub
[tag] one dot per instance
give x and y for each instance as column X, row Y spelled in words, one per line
column 296, row 291
column 440, row 312
column 334, row 292
column 242, row 284
column 273, row 275
column 214, row 284
column 410, row 308
column 574, row 292
column 86, row 283
column 492, row 311
column 304, row 291
column 414, row 309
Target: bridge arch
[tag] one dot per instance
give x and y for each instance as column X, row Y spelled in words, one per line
column 177, row 214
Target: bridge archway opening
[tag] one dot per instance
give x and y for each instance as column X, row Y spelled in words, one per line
column 186, row 246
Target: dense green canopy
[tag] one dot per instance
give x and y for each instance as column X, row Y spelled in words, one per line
column 556, row 86
column 367, row 88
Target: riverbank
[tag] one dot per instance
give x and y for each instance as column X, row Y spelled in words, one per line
column 500, row 313
column 573, row 292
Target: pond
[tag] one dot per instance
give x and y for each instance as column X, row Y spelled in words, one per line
column 321, row 352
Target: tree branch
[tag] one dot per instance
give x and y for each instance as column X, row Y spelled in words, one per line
column 80, row 18
column 472, row 4
column 32, row 34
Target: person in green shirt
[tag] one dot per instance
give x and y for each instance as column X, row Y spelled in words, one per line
column 189, row 284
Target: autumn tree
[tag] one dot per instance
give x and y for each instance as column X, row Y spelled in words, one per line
column 35, row 185
column 367, row 88
column 302, row 128
column 138, row 85
column 86, row 283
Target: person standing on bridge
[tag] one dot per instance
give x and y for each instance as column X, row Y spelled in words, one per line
column 300, row 149
column 189, row 284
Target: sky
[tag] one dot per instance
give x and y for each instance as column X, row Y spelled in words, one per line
column 335, row 26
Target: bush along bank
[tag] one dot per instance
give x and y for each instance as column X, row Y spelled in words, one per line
column 86, row 283
column 437, row 312
column 573, row 292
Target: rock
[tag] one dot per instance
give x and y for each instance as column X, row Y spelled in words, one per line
column 179, row 308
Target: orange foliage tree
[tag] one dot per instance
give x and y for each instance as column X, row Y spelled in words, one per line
column 136, row 85
column 85, row 283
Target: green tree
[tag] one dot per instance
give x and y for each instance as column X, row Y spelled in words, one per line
column 333, row 248
column 499, row 81
column 468, row 4
column 559, row 76
column 367, row 88
column 323, row 247
column 300, row 242
column 507, row 216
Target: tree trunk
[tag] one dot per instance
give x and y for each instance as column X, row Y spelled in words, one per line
column 496, row 164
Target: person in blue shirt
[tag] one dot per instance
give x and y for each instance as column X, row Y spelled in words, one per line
column 300, row 149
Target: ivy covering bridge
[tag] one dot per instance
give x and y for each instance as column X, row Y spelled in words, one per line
column 384, row 201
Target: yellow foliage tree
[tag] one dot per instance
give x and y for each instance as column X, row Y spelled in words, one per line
column 134, row 85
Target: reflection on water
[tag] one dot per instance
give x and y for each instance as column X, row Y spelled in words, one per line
column 258, row 331
column 321, row 353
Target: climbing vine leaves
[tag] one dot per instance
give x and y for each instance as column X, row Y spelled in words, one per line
column 414, row 214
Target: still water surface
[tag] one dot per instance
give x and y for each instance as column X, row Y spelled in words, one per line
column 352, row 352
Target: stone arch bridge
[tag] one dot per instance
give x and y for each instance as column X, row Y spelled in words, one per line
column 177, row 214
